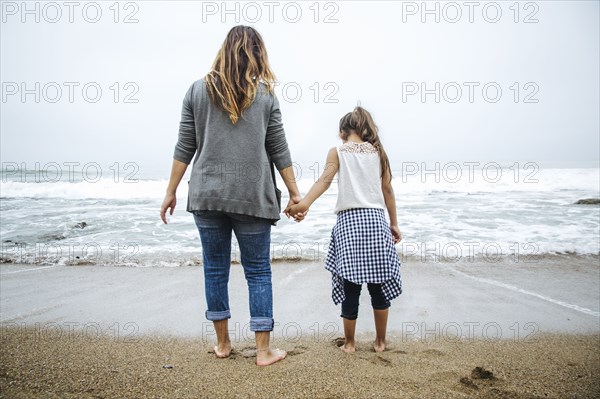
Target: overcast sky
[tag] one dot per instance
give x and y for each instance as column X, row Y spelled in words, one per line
column 543, row 57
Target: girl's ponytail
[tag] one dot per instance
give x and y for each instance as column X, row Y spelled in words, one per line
column 362, row 123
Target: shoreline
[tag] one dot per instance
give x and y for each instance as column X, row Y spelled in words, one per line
column 176, row 261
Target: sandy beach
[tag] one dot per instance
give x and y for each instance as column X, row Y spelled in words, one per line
column 101, row 332
column 549, row 366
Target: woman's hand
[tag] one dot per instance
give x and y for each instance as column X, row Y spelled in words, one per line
column 294, row 199
column 177, row 171
column 396, row 235
column 169, row 202
column 297, row 211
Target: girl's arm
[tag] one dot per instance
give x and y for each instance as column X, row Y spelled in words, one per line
column 332, row 165
column 390, row 204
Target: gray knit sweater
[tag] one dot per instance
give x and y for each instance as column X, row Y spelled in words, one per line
column 232, row 165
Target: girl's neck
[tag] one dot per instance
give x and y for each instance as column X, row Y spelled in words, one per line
column 354, row 138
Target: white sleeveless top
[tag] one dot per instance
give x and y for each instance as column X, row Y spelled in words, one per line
column 359, row 177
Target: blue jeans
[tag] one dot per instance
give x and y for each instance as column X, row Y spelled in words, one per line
column 254, row 239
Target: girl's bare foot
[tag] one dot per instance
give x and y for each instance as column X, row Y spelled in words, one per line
column 381, row 316
column 347, row 348
column 266, row 357
column 223, row 352
column 379, row 346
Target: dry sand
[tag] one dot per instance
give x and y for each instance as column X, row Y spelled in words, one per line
column 45, row 365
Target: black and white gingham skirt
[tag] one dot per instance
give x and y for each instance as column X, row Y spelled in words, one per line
column 362, row 251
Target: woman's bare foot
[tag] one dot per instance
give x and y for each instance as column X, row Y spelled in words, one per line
column 223, row 348
column 267, row 357
column 223, row 352
column 379, row 346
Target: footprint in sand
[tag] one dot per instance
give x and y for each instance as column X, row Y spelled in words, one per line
column 466, row 381
column 248, row 352
column 390, row 349
column 380, row 361
column 251, row 351
column 298, row 350
column 232, row 355
column 433, row 352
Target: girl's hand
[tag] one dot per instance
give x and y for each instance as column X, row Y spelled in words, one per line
column 169, row 202
column 396, row 235
column 297, row 211
column 294, row 199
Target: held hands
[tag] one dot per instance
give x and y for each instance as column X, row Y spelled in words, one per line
column 296, row 209
column 396, row 235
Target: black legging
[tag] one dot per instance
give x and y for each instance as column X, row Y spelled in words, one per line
column 352, row 292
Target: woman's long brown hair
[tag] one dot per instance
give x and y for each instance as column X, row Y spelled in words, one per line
column 362, row 123
column 239, row 67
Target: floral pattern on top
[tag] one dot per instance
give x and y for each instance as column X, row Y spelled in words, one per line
column 360, row 148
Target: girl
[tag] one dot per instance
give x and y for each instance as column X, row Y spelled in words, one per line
column 362, row 243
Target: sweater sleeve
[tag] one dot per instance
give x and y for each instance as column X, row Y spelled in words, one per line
column 186, row 143
column 276, row 143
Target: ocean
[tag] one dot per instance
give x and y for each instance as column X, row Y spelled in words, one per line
column 450, row 212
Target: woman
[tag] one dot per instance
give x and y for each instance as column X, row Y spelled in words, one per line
column 231, row 122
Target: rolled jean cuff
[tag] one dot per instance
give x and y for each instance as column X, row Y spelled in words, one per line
column 261, row 324
column 218, row 315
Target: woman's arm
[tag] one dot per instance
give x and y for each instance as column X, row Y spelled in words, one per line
column 332, row 165
column 177, row 171
column 390, row 204
column 183, row 154
column 185, row 149
column 289, row 178
column 279, row 153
